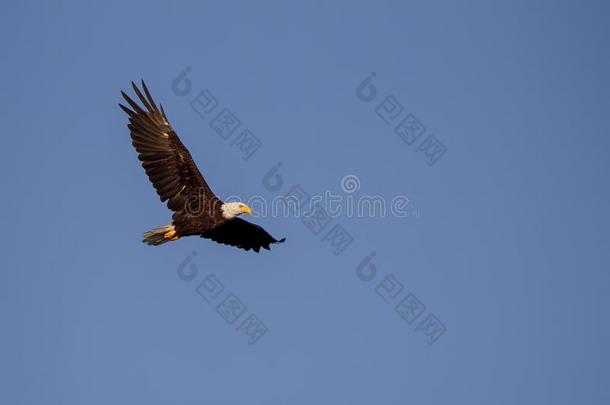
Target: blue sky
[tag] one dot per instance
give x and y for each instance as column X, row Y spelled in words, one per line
column 504, row 250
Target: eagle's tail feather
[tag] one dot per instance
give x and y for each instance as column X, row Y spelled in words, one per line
column 160, row 235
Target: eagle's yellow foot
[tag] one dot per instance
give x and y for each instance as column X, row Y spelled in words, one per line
column 170, row 235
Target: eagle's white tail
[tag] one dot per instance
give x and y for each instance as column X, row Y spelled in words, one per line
column 161, row 235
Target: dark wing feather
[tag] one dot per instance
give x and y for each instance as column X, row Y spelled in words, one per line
column 242, row 234
column 165, row 159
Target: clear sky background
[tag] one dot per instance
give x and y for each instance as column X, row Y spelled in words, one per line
column 506, row 242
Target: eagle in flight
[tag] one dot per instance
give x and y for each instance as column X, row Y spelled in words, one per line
column 171, row 170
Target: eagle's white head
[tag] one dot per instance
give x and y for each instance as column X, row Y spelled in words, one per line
column 233, row 209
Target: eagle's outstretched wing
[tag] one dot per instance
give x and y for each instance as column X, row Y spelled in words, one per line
column 242, row 234
column 165, row 159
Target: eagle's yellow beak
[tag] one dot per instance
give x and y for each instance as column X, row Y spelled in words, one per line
column 246, row 210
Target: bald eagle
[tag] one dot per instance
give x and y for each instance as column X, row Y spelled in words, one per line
column 171, row 170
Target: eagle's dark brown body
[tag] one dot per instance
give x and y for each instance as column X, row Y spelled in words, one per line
column 198, row 216
column 173, row 173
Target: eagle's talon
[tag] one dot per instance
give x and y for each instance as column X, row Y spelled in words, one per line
column 171, row 235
